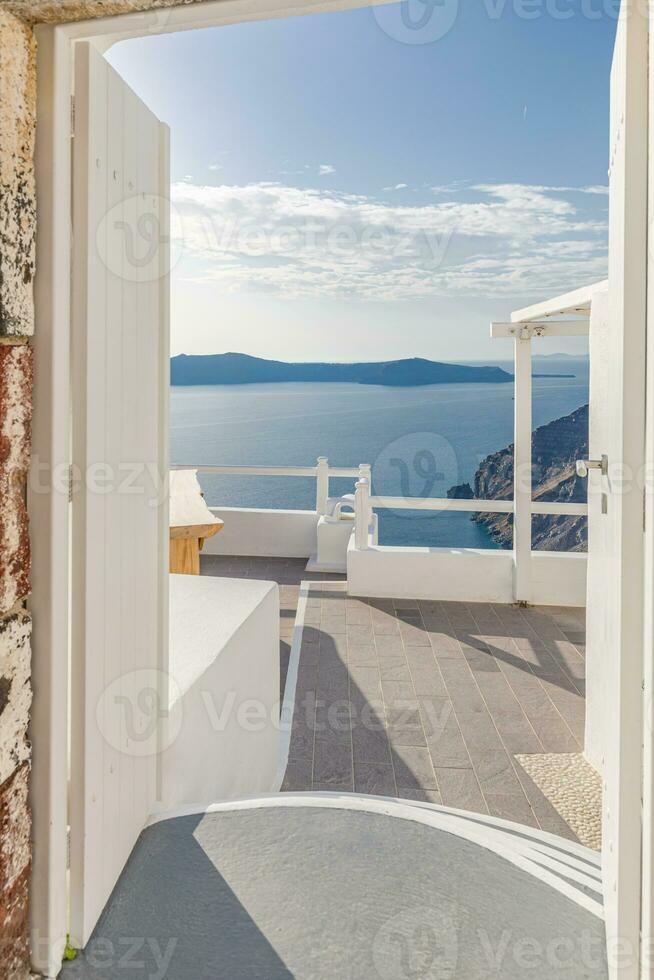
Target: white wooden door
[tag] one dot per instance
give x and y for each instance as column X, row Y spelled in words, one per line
column 119, row 556
column 615, row 581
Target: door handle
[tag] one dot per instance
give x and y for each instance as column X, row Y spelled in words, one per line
column 584, row 465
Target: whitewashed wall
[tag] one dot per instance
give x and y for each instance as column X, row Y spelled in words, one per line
column 466, row 574
column 463, row 574
column 264, row 533
column 222, row 736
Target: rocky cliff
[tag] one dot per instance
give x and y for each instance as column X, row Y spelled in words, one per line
column 555, row 449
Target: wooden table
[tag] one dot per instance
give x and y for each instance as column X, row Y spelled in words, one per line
column 191, row 522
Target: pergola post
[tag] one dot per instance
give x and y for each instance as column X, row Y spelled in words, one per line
column 522, row 489
column 537, row 321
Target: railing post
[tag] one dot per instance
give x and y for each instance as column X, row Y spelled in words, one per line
column 522, row 469
column 366, row 474
column 361, row 514
column 322, row 485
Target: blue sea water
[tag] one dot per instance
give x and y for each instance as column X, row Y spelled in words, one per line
column 420, row 441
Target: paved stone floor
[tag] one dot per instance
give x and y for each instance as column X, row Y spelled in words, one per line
column 425, row 699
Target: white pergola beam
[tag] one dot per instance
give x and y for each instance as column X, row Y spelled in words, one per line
column 575, row 302
column 535, row 328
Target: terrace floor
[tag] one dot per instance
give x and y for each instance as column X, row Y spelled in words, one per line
column 427, row 700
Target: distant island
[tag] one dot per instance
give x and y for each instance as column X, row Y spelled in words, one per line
column 241, row 369
column 561, row 356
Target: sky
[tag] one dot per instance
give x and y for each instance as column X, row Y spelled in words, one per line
column 381, row 182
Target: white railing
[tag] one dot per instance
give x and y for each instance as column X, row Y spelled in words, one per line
column 322, row 472
column 366, row 503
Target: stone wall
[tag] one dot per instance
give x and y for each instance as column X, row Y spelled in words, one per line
column 17, row 241
column 17, row 234
column 63, row 11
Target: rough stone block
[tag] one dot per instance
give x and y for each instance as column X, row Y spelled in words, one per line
column 14, row 829
column 14, row 876
column 15, row 432
column 15, row 692
column 17, row 187
column 14, row 931
column 58, row 11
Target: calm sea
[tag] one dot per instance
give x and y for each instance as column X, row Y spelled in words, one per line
column 420, row 441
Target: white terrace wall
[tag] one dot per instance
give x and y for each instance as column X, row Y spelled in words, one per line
column 259, row 533
column 463, row 574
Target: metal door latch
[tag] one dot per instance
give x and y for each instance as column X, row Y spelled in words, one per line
column 584, row 465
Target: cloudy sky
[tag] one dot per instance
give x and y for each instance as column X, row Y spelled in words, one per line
column 381, row 183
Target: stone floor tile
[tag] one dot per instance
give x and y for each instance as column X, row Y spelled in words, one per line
column 389, row 645
column 370, row 745
column 332, row 762
column 394, row 691
column 298, row 776
column 413, row 767
column 511, row 808
column 394, row 670
column 374, row 779
column 459, row 789
column 362, row 655
column 421, row 795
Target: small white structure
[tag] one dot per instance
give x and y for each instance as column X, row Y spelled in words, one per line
column 222, row 734
column 333, row 535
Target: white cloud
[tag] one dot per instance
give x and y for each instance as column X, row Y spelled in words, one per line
column 215, row 166
column 325, row 169
column 502, row 239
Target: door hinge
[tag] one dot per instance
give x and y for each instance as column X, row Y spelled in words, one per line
column 72, row 115
column 70, row 484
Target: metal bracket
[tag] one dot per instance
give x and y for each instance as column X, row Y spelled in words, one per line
column 584, row 465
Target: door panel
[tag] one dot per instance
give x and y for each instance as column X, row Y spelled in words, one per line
column 120, row 384
column 615, row 593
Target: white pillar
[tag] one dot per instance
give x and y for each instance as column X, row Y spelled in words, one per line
column 365, row 473
column 522, row 470
column 322, row 485
column 361, row 514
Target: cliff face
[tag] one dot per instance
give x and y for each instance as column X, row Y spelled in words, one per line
column 555, row 449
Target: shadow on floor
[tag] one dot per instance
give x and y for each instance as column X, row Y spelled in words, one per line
column 172, row 915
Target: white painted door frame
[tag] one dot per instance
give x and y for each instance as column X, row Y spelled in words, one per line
column 49, row 512
column 647, row 891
